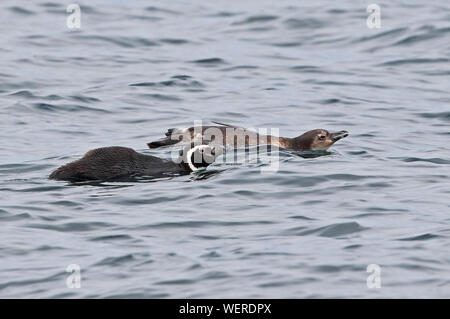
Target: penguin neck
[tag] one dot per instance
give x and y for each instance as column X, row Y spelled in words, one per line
column 149, row 162
column 296, row 143
column 185, row 166
column 286, row 142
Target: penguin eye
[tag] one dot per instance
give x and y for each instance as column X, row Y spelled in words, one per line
column 321, row 137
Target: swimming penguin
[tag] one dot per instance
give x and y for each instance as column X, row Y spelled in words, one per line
column 119, row 163
column 230, row 135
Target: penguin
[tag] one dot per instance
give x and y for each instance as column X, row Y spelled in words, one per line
column 116, row 163
column 230, row 135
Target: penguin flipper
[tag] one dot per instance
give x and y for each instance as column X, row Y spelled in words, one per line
column 224, row 124
column 162, row 142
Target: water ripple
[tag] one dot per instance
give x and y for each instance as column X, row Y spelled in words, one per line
column 420, row 237
column 21, row 10
column 333, row 230
column 256, row 19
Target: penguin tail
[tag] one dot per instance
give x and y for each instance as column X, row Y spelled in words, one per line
column 169, row 132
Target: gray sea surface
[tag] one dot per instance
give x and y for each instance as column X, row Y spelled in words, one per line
column 309, row 230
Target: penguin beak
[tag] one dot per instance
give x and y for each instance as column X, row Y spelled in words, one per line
column 338, row 135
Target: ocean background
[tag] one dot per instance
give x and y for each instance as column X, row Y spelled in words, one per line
column 135, row 68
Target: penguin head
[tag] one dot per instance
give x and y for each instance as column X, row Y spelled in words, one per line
column 318, row 139
column 198, row 157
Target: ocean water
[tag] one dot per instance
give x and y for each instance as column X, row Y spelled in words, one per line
column 309, row 230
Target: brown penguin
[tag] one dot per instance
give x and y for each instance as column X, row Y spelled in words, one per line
column 230, row 135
